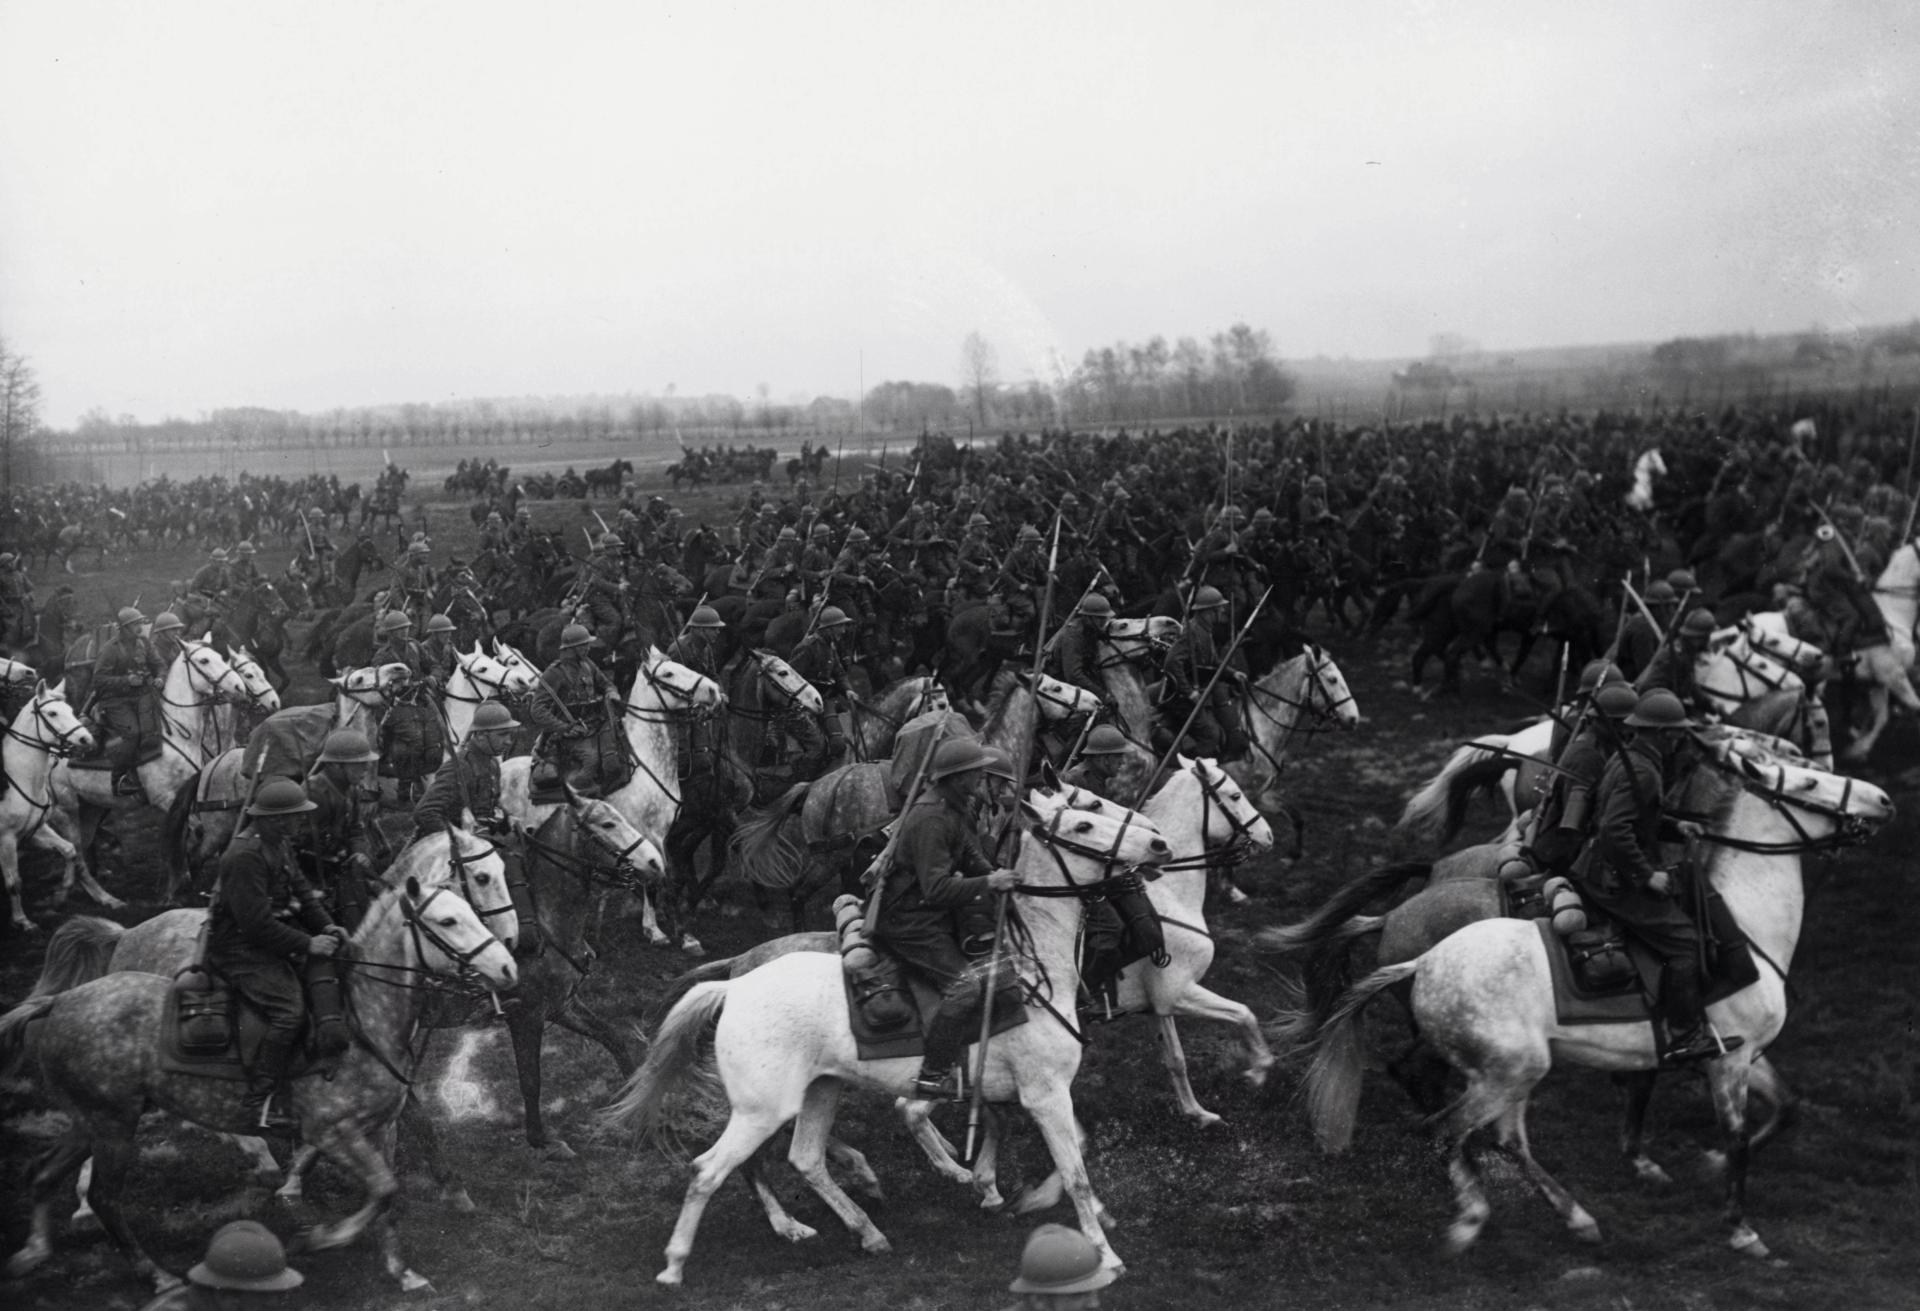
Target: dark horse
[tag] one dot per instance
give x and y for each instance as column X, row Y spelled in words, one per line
column 1460, row 613
column 609, row 479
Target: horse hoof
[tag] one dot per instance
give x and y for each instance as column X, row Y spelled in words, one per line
column 876, row 1245
column 85, row 1222
column 1747, row 1243
column 1714, row 1162
column 691, row 946
column 1584, row 1227
column 795, row 1232
column 557, row 1150
column 1205, row 1119
column 28, row 1259
column 1256, row 1078
column 1650, row 1172
column 671, row 1277
column 413, row 1282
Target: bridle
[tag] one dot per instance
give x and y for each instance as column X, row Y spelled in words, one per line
column 460, row 861
column 1849, row 829
column 1317, row 710
column 53, row 740
column 1049, row 836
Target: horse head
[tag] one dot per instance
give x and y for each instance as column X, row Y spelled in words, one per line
column 788, row 682
column 210, row 674
column 1110, row 843
column 17, row 671
column 50, row 722
column 448, row 935
column 259, row 691
column 1228, row 816
column 677, row 685
column 1327, row 694
column 623, row 851
column 1058, row 700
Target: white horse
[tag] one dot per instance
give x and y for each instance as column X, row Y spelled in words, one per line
column 1483, row 997
column 45, row 730
column 198, row 682
column 1882, row 669
column 1306, row 693
column 479, row 677
column 262, row 698
column 650, row 800
column 1646, row 468
column 784, row 1050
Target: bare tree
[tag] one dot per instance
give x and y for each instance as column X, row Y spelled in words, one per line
column 19, row 408
column 979, row 367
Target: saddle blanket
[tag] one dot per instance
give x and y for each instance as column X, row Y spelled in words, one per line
column 1732, row 962
column 236, row 1059
column 1009, row 1012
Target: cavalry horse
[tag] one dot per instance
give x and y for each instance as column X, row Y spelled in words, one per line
column 86, row 948
column 198, row 681
column 807, row 836
column 784, row 1050
column 663, row 691
column 45, row 731
column 204, row 810
column 95, row 1052
column 1483, row 997
column 503, row 676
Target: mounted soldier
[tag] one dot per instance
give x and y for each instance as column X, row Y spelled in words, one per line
column 465, row 792
column 816, row 561
column 939, row 870
column 165, row 636
column 413, row 582
column 204, row 593
column 1189, row 665
column 603, row 590
column 1672, row 666
column 1022, row 577
column 1839, row 596
column 411, row 738
column 439, row 652
column 16, row 602
column 493, row 534
column 342, row 789
column 1108, row 765
column 848, row 586
column 243, row 576
column 571, row 707
column 977, row 566
column 699, row 647
column 821, row 658
column 1564, row 820
column 1640, row 639
column 266, row 920
column 1623, row 876
column 1076, row 656
column 126, row 687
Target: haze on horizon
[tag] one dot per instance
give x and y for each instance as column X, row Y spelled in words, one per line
column 306, row 206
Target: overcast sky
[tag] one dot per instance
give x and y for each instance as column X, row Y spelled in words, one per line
column 316, row 204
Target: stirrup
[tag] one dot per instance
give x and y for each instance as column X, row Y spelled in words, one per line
column 128, row 785
column 931, row 1087
column 269, row 1120
column 1699, row 1043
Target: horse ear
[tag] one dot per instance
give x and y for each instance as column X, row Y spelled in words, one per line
column 413, row 887
column 40, row 687
column 1049, row 777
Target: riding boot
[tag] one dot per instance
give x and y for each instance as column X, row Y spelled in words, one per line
column 331, row 1036
column 263, row 1080
column 1688, row 1038
column 946, row 1042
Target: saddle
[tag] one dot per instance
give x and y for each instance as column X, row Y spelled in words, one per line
column 546, row 781
column 889, row 1007
column 209, row 1030
column 1603, row 975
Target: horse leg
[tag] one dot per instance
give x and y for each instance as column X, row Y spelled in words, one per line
column 854, row 1162
column 1636, row 1087
column 75, row 864
column 737, row 1142
column 295, row 1186
column 10, row 870
column 808, row 1155
column 114, row 1155
column 1174, row 1057
column 1510, row 1131
column 1728, row 1081
column 1783, row 1105
column 1201, row 1004
column 783, row 1224
column 1486, row 1099
column 352, row 1152
column 576, row 1017
column 57, row 1164
column 526, row 1023
column 1862, row 745
column 939, row 1151
column 1051, row 1106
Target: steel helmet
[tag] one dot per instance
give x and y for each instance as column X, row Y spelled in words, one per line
column 280, row 796
column 768, row 509
column 1262, row 514
column 491, row 716
column 1028, row 533
column 166, row 622
column 1659, row 708
column 395, row 620
column 1682, row 580
column 1059, row 1260
column 1698, row 623
column 1105, row 740
column 1208, row 598
column 957, row 755
column 418, row 547
column 1122, row 494
column 246, row 1255
column 439, row 624
column 1616, row 700
column 347, row 746
column 819, row 530
column 1000, row 764
column 1598, row 672
column 705, row 616
column 7, row 558
column 245, row 548
column 857, row 534
column 978, row 520
column 523, row 512
column 129, row 615
column 1095, row 606
column 574, row 635
column 218, row 555
column 1660, row 592
column 788, row 535
column 317, row 513
column 493, row 516
column 833, row 617
column 1232, row 513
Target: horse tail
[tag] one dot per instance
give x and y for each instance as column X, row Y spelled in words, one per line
column 675, row 1061
column 1332, row 919
column 710, row 972
column 16, row 1033
column 78, row 952
column 1333, row 1080
column 174, row 834
column 1436, row 812
column 762, row 848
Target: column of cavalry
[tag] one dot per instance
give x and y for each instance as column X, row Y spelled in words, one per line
column 825, row 644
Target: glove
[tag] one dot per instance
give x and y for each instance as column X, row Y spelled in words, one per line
column 322, row 944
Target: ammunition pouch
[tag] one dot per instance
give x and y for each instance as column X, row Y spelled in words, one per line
column 205, row 1011
column 1599, row 959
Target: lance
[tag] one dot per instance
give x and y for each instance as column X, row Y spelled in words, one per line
column 311, row 550
column 915, row 480
column 1023, row 767
column 1146, row 788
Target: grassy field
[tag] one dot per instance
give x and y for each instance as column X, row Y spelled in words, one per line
column 1248, row 1214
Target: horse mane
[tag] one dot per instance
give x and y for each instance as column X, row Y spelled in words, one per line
column 1005, row 683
